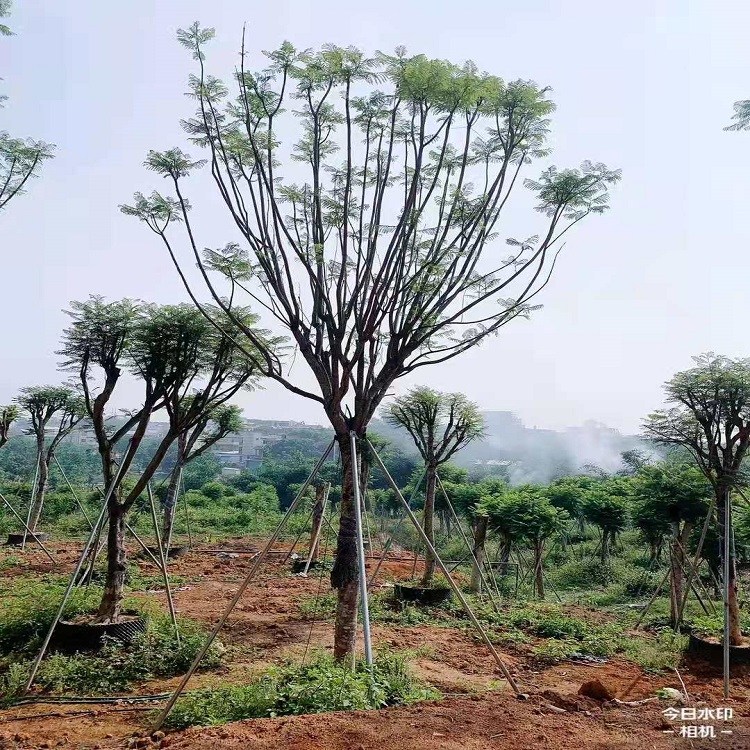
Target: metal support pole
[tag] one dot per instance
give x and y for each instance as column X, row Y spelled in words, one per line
column 33, row 535
column 456, row 590
column 186, row 508
column 727, row 549
column 163, row 566
column 73, row 492
column 71, row 583
column 694, row 568
column 31, row 502
column 317, row 531
column 469, row 546
column 241, row 590
column 361, row 552
column 392, row 535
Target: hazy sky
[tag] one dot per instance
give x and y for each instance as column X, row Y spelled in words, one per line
column 645, row 86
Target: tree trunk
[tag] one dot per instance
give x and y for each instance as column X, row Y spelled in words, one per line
column 170, row 503
column 345, row 573
column 429, row 525
column 317, row 520
column 40, row 491
column 675, row 575
column 114, row 583
column 605, row 546
column 480, row 534
column 505, row 556
column 735, row 632
column 538, row 572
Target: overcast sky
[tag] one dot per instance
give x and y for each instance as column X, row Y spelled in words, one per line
column 646, row 86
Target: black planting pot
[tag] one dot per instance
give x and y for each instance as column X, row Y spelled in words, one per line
column 15, row 539
column 713, row 652
column 421, row 595
column 298, row 565
column 70, row 637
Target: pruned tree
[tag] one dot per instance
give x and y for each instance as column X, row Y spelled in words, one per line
column 166, row 348
column 606, row 505
column 673, row 493
column 440, row 425
column 525, row 514
column 20, row 158
column 54, row 412
column 8, row 415
column 376, row 250
column 711, row 419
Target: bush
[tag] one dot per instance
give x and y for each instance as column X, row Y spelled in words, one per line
column 322, row 685
column 115, row 667
column 27, row 612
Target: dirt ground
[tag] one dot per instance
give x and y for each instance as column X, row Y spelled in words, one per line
column 478, row 711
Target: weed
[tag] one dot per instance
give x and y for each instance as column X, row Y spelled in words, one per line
column 321, row 685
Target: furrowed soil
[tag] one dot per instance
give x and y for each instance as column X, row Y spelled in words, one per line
column 478, row 710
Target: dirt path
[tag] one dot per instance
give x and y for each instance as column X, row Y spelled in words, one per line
column 268, row 626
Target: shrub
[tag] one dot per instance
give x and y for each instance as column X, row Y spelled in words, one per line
column 322, row 685
column 115, row 667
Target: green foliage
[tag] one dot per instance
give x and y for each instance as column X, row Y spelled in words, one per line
column 213, row 490
column 115, row 667
column 201, row 470
column 27, row 609
column 523, row 513
column 322, row 685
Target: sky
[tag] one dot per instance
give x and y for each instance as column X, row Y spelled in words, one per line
column 645, row 86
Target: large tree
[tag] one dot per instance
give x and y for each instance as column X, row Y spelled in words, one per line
column 440, row 425
column 376, row 248
column 20, row 158
column 711, row 419
column 8, row 415
column 54, row 412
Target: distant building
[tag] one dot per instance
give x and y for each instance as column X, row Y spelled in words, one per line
column 244, row 450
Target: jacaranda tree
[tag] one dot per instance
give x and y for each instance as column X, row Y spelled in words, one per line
column 367, row 195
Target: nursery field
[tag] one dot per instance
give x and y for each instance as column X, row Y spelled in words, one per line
column 455, row 696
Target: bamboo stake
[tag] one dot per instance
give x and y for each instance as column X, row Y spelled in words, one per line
column 241, row 590
column 456, row 590
column 163, row 566
column 317, row 531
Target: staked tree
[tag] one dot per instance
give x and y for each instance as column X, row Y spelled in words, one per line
column 525, row 514
column 711, row 419
column 8, row 415
column 671, row 493
column 440, row 425
column 375, row 249
column 20, row 158
column 44, row 404
column 166, row 348
column 606, row 505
